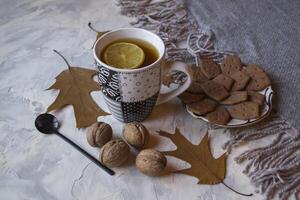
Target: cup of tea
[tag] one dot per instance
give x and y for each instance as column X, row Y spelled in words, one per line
column 130, row 65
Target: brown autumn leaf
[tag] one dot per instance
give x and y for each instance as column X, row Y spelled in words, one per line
column 206, row 168
column 99, row 33
column 75, row 85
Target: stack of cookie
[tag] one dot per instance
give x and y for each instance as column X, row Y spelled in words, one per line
column 229, row 90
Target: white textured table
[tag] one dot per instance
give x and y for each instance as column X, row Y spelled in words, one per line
column 35, row 166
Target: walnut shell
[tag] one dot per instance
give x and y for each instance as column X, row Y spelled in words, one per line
column 151, row 162
column 98, row 134
column 114, row 153
column 136, row 134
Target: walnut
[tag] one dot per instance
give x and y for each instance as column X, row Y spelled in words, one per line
column 136, row 134
column 99, row 134
column 114, row 153
column 151, row 162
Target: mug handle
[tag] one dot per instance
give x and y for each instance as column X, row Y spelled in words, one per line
column 179, row 66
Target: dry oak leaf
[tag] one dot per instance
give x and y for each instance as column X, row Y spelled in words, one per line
column 206, row 168
column 99, row 34
column 75, row 85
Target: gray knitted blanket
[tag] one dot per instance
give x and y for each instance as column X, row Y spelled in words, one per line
column 263, row 32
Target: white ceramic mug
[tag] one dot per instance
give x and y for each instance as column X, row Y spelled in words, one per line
column 131, row 94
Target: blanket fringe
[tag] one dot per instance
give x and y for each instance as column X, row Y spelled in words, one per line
column 275, row 168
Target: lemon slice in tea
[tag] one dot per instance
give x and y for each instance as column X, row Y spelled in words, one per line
column 124, row 55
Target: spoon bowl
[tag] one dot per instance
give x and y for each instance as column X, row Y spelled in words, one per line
column 46, row 123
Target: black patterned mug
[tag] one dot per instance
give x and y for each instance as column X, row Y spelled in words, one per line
column 131, row 94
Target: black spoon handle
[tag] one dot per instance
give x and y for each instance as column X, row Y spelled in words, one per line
column 109, row 171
